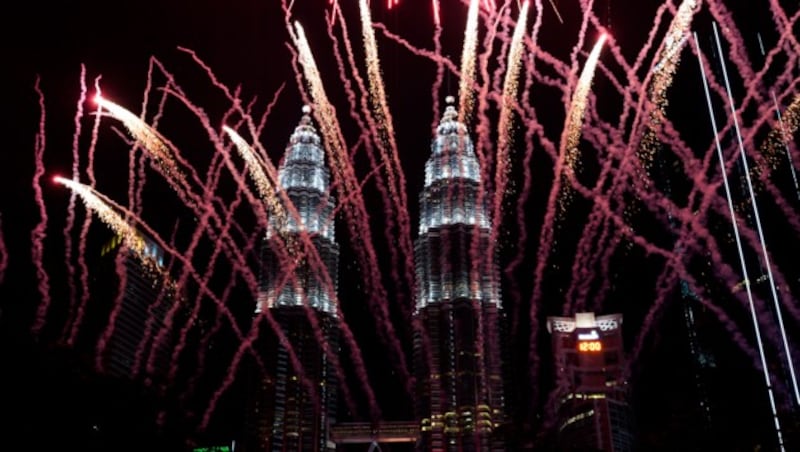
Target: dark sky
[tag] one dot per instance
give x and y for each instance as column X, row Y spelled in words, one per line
column 244, row 43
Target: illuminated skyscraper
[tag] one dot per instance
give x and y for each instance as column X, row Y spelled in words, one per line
column 284, row 414
column 147, row 294
column 593, row 414
column 457, row 360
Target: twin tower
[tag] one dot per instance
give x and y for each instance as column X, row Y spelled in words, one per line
column 458, row 402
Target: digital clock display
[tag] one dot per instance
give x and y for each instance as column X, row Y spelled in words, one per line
column 590, row 346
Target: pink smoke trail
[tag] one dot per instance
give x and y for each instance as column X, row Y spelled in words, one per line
column 70, row 221
column 483, row 128
column 39, row 232
column 105, row 337
column 569, row 141
column 437, row 49
column 571, row 133
column 429, row 54
column 370, row 131
column 212, row 177
column 72, row 327
column 522, row 229
column 237, row 258
column 108, row 208
column 504, row 127
column 465, row 95
column 356, row 215
column 387, row 143
column 160, row 298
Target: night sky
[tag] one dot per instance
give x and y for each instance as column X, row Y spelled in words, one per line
column 54, row 397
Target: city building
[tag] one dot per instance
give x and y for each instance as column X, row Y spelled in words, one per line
column 457, row 361
column 143, row 295
column 593, row 411
column 299, row 291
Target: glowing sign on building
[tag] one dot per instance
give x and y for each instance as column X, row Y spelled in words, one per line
column 590, row 336
column 590, row 346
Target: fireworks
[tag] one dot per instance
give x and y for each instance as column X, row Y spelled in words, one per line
column 256, row 169
column 571, row 135
column 608, row 159
column 146, row 136
column 132, row 239
column 504, row 129
column 662, row 75
column 465, row 95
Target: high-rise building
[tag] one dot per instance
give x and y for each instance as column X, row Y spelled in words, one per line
column 299, row 290
column 147, row 294
column 593, row 410
column 457, row 361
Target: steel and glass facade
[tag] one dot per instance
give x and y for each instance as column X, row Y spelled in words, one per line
column 457, row 360
column 593, row 411
column 298, row 289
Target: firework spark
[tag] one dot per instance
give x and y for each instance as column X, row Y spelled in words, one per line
column 571, row 134
column 40, row 231
column 352, row 204
column 132, row 239
column 256, row 169
column 146, row 135
column 465, row 95
column 510, row 87
column 662, row 75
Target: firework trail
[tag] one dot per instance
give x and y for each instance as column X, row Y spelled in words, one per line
column 505, row 132
column 255, row 168
column 437, row 49
column 738, row 51
column 105, row 209
column 522, row 229
column 355, row 213
column 122, row 278
column 132, row 239
column 137, row 176
column 571, row 134
column 310, row 250
column 147, row 136
column 779, row 137
column 167, row 288
column 570, row 138
column 662, row 75
column 387, row 141
column 234, row 255
column 70, row 221
column 40, row 231
column 370, row 130
column 732, row 213
column 483, row 128
column 289, row 253
column 213, row 177
column 76, row 317
column 206, row 339
column 465, row 95
column 428, row 54
column 658, row 79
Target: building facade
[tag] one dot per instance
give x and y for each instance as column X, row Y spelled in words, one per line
column 457, row 361
column 147, row 295
column 299, row 290
column 593, row 411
